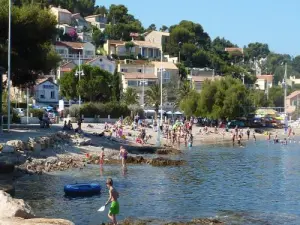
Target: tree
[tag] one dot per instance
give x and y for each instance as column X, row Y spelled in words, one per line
column 151, row 27
column 33, row 29
column 116, row 84
column 189, row 104
column 153, row 95
column 129, row 45
column 100, row 10
column 296, row 63
column 164, row 28
column 223, row 98
column 130, row 97
column 98, row 38
column 94, row 85
column 121, row 23
column 257, row 50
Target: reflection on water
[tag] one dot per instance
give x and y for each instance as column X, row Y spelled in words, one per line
column 257, row 184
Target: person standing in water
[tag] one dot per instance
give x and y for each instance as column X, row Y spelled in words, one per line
column 113, row 198
column 123, row 155
column 101, row 159
column 248, row 133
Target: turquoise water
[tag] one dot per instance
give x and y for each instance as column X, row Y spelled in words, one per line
column 258, row 184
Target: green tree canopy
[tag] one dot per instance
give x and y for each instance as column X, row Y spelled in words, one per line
column 130, row 97
column 94, row 85
column 153, row 96
column 32, row 54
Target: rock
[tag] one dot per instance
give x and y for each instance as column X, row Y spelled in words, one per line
column 9, row 189
column 10, row 207
column 8, row 149
column 52, row 160
column 35, row 221
column 165, row 162
column 167, row 151
column 17, row 144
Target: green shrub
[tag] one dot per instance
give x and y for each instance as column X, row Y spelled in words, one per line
column 15, row 117
column 114, row 109
column 36, row 112
column 22, row 105
column 74, row 111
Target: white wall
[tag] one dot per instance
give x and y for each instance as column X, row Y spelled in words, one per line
column 104, row 64
column 47, row 92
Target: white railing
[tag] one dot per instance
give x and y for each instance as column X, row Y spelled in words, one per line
column 75, row 56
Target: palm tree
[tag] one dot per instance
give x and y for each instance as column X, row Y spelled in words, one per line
column 130, row 97
column 152, row 96
column 183, row 92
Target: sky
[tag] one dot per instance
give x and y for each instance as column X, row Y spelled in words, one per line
column 274, row 22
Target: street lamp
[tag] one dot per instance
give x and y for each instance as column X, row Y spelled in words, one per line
column 79, row 73
column 161, row 70
column 9, row 65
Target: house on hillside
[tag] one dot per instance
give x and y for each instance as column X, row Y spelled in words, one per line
column 198, row 75
column 169, row 69
column 46, row 92
column 63, row 16
column 138, row 81
column 71, row 50
column 158, row 37
column 264, row 82
column 143, row 49
column 80, row 23
column 293, row 102
column 98, row 21
column 64, row 68
column 103, row 62
column 135, row 66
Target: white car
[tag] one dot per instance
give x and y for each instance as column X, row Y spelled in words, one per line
column 20, row 111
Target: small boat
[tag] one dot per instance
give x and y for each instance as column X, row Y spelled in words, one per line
column 82, row 189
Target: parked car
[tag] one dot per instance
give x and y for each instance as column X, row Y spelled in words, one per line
column 234, row 123
column 20, row 111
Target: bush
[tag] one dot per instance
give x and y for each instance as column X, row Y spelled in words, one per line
column 114, row 109
column 22, row 105
column 36, row 112
column 73, row 110
column 15, row 117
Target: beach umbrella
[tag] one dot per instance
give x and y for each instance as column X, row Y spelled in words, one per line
column 178, row 113
column 169, row 113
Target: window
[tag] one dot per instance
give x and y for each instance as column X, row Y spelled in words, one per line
column 89, row 53
column 60, row 51
column 139, row 70
column 151, row 82
column 132, row 83
column 52, row 95
column 124, row 70
column 42, row 96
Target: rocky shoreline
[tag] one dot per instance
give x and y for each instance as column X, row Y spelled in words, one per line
column 62, row 151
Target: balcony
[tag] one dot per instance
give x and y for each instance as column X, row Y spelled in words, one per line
column 76, row 56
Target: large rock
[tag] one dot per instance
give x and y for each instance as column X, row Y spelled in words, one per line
column 35, row 221
column 165, row 162
column 8, row 149
column 17, row 144
column 51, row 160
column 10, row 207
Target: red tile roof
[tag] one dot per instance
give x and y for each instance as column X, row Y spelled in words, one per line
column 266, row 77
column 74, row 45
column 293, row 94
